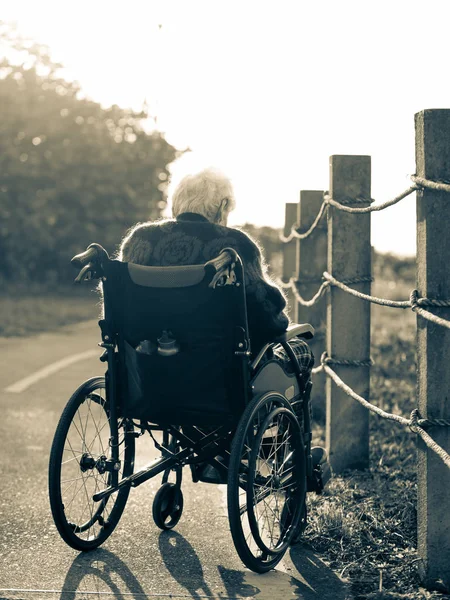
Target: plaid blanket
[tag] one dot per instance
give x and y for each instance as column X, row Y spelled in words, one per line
column 303, row 353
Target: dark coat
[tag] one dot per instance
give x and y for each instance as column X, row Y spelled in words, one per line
column 191, row 239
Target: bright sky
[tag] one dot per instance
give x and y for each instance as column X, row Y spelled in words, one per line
column 265, row 90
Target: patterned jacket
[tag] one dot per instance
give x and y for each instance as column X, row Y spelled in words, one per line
column 192, row 239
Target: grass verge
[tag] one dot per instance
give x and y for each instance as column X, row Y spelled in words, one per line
column 26, row 310
column 365, row 523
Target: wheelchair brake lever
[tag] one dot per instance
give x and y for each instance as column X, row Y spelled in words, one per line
column 86, row 273
column 224, row 276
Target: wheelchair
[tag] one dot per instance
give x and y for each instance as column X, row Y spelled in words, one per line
column 180, row 369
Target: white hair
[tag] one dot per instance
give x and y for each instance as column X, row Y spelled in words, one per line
column 208, row 193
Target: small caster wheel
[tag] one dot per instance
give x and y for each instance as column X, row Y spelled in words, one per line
column 167, row 506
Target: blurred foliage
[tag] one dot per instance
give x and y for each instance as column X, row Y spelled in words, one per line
column 266, row 237
column 71, row 172
column 393, row 268
column 268, row 240
column 386, row 266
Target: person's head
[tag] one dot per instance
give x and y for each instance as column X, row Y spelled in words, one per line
column 208, row 193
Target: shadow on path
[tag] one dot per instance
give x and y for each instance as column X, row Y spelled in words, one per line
column 315, row 579
column 99, row 571
column 184, row 565
column 310, row 579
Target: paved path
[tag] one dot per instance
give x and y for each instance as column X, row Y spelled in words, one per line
column 198, row 560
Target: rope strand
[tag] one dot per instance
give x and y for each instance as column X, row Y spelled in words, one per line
column 348, row 390
column 382, row 301
column 343, row 362
column 426, row 314
column 432, row 445
column 314, row 299
column 376, row 207
column 415, row 303
column 414, row 422
column 298, row 235
column 438, row 186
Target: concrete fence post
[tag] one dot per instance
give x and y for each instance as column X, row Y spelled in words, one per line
column 433, row 346
column 289, row 255
column 348, row 318
column 311, row 263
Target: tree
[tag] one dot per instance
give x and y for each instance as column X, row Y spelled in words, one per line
column 71, row 172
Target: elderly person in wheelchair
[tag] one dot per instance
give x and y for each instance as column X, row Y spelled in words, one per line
column 201, row 204
column 198, row 349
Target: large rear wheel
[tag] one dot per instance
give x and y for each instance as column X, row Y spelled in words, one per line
column 266, row 481
column 81, row 465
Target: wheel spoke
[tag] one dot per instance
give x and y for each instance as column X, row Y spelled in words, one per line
column 272, row 478
column 75, row 470
column 267, row 481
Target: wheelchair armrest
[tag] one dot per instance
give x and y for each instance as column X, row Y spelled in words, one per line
column 305, row 330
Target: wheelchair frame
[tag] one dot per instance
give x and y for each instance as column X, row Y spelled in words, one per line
column 179, row 449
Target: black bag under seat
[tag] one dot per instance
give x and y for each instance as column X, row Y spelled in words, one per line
column 200, row 384
column 190, row 387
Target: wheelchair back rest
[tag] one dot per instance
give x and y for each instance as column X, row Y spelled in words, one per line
column 166, row 277
column 177, row 336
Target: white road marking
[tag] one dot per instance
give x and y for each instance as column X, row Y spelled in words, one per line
column 26, row 382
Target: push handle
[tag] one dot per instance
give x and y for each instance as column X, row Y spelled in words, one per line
column 90, row 263
column 84, row 258
column 93, row 253
column 224, row 266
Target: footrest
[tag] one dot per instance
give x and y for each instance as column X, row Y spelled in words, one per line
column 321, row 471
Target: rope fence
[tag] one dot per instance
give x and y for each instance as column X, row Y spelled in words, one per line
column 298, row 235
column 293, row 285
column 326, row 260
column 416, row 303
column 368, row 209
column 419, row 183
column 415, row 422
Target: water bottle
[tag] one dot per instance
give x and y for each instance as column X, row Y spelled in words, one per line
column 167, row 345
